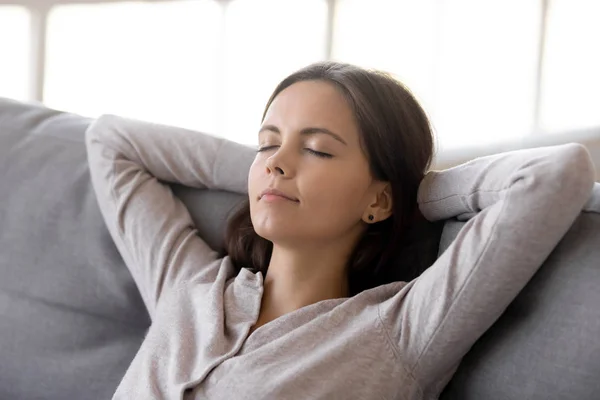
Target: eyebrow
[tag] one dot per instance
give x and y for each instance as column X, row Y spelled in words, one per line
column 306, row 132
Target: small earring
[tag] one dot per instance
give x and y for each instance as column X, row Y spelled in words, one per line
column 371, row 217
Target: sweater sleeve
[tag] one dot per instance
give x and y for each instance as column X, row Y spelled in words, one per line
column 521, row 203
column 130, row 163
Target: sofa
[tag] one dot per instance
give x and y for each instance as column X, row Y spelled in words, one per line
column 71, row 318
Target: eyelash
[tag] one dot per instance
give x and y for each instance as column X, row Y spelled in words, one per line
column 311, row 151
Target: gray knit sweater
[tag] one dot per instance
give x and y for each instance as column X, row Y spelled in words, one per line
column 403, row 340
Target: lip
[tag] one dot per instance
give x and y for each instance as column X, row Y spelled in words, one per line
column 274, row 193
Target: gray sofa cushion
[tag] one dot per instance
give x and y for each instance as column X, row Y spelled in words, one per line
column 546, row 345
column 71, row 318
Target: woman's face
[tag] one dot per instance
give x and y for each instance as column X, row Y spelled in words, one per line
column 309, row 149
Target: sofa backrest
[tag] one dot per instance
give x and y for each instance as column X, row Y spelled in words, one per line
column 71, row 318
column 546, row 345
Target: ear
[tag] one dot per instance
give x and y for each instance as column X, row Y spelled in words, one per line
column 380, row 208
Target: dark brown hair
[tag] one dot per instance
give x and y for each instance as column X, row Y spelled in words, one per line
column 397, row 139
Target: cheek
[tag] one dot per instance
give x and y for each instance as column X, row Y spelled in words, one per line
column 263, row 218
column 339, row 196
column 254, row 176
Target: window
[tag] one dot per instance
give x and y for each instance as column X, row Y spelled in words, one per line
column 152, row 61
column 14, row 47
column 486, row 72
column 473, row 75
column 571, row 78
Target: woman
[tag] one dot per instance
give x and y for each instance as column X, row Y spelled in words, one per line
column 308, row 303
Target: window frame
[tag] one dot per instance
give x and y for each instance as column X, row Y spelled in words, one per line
column 40, row 10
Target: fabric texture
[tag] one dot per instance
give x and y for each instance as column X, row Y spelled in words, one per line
column 546, row 345
column 519, row 206
column 72, row 318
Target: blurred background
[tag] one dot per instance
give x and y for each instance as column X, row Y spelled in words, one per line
column 492, row 74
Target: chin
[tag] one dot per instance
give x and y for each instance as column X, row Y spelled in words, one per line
column 271, row 227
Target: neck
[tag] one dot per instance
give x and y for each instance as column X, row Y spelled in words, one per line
column 300, row 277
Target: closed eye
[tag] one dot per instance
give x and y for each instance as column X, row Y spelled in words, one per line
column 318, row 153
column 308, row 150
column 265, row 148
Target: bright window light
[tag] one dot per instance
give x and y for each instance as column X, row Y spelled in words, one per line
column 472, row 64
column 210, row 65
column 486, row 71
column 14, row 48
column 152, row 61
column 571, row 78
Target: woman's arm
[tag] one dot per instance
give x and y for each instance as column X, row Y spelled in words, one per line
column 524, row 201
column 152, row 228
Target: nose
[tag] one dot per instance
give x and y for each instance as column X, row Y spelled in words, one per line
column 274, row 167
column 279, row 164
